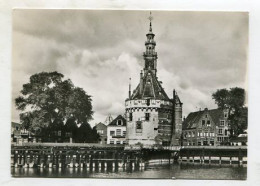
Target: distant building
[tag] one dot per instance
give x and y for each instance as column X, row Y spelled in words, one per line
column 19, row 134
column 116, row 131
column 206, row 127
column 241, row 140
column 108, row 120
column 152, row 117
column 102, row 131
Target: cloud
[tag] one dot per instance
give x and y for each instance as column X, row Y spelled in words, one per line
column 198, row 52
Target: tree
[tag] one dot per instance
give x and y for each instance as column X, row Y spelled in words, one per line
column 233, row 100
column 48, row 101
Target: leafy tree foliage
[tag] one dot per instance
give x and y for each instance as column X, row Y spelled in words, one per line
column 233, row 100
column 48, row 102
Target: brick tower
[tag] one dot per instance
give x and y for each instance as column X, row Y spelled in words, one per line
column 152, row 117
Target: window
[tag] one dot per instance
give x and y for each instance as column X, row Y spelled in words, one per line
column 117, row 142
column 112, row 133
column 220, row 131
column 225, row 115
column 67, row 134
column 203, row 122
column 130, row 116
column 208, row 123
column 147, row 116
column 198, row 134
column 118, row 132
column 199, row 143
column 59, row 133
column 100, row 131
column 220, row 139
column 206, row 116
column 124, row 133
column 112, row 142
column 148, row 102
column 119, row 122
column 138, row 126
column 226, row 132
column 124, row 142
column 222, row 123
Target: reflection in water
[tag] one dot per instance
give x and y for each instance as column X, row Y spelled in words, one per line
column 178, row 171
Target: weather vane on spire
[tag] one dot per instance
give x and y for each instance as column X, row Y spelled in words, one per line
column 150, row 18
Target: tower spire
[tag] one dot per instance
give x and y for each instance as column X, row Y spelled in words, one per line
column 150, row 18
column 150, row 55
column 129, row 93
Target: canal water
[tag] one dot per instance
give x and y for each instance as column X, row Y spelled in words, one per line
column 174, row 171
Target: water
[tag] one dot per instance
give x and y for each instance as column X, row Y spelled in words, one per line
column 177, row 171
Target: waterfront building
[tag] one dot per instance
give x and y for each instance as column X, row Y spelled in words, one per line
column 102, row 132
column 116, row 131
column 152, row 117
column 206, row 127
column 19, row 134
column 240, row 140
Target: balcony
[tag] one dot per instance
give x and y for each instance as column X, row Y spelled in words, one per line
column 150, row 54
column 118, row 136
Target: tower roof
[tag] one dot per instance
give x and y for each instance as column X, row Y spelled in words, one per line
column 149, row 87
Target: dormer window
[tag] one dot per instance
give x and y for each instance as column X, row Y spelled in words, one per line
column 203, row 122
column 206, row 116
column 119, row 122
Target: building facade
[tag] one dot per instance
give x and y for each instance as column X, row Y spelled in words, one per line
column 20, row 135
column 152, row 117
column 102, row 132
column 206, row 128
column 116, row 131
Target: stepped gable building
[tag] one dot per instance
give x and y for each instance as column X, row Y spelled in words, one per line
column 116, row 131
column 206, row 128
column 152, row 117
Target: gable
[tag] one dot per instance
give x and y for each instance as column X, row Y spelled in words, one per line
column 118, row 121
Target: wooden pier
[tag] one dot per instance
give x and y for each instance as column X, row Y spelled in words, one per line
column 96, row 156
column 214, row 155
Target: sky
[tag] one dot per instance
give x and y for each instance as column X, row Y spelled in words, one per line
column 99, row 50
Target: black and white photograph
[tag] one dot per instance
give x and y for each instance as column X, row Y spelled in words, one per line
column 132, row 94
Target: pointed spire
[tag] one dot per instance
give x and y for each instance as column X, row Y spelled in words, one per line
column 129, row 93
column 150, row 18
